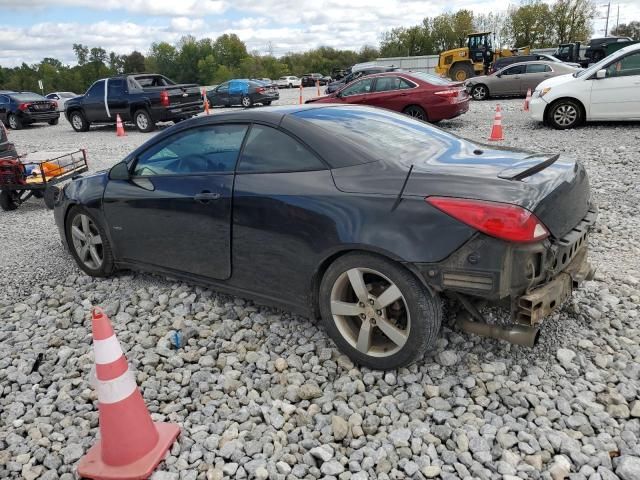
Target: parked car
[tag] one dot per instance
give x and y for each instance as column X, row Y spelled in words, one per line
column 420, row 95
column 598, row 48
column 354, row 75
column 607, row 90
column 515, row 80
column 288, row 81
column 7, row 149
column 310, row 79
column 503, row 62
column 242, row 92
column 18, row 109
column 143, row 99
column 361, row 216
column 61, row 98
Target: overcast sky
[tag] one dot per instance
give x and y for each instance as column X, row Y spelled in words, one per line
column 34, row 29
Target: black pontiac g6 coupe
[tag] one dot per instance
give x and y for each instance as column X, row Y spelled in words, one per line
column 359, row 216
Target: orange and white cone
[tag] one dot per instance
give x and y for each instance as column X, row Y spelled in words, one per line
column 300, row 93
column 496, row 130
column 206, row 101
column 527, row 100
column 119, row 127
column 131, row 445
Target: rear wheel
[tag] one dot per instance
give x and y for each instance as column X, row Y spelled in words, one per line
column 143, row 121
column 78, row 121
column 246, row 101
column 377, row 312
column 564, row 114
column 54, row 121
column 480, row 92
column 416, row 112
column 14, row 122
column 88, row 243
column 8, row 200
column 51, row 194
column 267, row 103
column 461, row 71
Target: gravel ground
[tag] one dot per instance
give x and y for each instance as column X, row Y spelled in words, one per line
column 261, row 393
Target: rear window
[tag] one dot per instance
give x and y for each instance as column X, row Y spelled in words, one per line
column 383, row 135
column 153, row 81
column 27, row 97
column 432, row 79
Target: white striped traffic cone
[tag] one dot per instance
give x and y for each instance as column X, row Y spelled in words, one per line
column 496, row 129
column 131, row 445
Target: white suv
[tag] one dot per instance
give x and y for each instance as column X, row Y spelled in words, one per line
column 288, row 82
column 607, row 90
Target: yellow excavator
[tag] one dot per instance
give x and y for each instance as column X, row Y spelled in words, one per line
column 462, row 63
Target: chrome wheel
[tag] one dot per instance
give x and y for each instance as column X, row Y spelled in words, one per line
column 246, row 102
column 370, row 312
column 142, row 122
column 13, row 124
column 76, row 121
column 479, row 92
column 565, row 115
column 87, row 241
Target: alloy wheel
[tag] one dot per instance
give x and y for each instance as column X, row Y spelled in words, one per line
column 87, row 241
column 12, row 122
column 370, row 312
column 141, row 121
column 565, row 115
column 246, row 102
column 415, row 113
column 76, row 121
column 479, row 92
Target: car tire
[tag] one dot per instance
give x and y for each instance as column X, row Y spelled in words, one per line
column 246, row 101
column 14, row 122
column 479, row 92
column 37, row 193
column 399, row 332
column 144, row 122
column 8, row 200
column 54, row 121
column 266, row 104
column 290, row 85
column 78, row 121
column 564, row 114
column 416, row 112
column 461, row 72
column 97, row 263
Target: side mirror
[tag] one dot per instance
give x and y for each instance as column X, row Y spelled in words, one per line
column 120, row 171
column 601, row 74
column 498, row 75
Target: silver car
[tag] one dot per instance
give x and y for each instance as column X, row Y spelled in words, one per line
column 515, row 79
column 61, row 98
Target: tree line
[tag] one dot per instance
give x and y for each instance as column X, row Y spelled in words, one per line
column 209, row 61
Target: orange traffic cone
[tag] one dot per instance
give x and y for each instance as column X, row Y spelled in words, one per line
column 527, row 100
column 496, row 130
column 300, row 93
column 119, row 127
column 131, row 445
column 206, row 101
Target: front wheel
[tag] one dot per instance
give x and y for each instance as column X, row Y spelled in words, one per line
column 144, row 122
column 377, row 312
column 246, row 101
column 88, row 243
column 564, row 114
column 479, row 92
column 78, row 121
column 54, row 121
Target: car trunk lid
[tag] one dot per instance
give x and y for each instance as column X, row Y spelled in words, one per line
column 180, row 94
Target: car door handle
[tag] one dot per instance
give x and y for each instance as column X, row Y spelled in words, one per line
column 206, row 197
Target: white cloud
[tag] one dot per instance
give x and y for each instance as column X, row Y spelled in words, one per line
column 187, row 25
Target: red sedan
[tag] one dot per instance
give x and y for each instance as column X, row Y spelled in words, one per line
column 417, row 94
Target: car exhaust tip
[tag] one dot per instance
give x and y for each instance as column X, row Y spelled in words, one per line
column 515, row 333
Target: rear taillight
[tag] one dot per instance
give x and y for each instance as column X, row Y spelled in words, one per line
column 261, row 90
column 24, row 106
column 450, row 95
column 54, row 105
column 164, row 98
column 500, row 220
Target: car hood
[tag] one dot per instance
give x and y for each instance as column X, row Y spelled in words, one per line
column 555, row 81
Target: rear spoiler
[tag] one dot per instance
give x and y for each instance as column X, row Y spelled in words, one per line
column 514, row 173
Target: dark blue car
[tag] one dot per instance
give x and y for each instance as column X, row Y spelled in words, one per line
column 242, row 92
column 18, row 109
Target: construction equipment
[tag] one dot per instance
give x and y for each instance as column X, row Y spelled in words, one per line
column 462, row 63
column 570, row 52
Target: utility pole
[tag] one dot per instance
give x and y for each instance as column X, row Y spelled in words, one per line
column 618, row 18
column 606, row 27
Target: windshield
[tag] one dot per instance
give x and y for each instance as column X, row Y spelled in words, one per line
column 432, row 79
column 597, row 66
column 27, row 97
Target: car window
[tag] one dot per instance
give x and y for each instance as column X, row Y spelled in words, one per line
column 537, row 68
column 384, row 84
column 96, row 90
column 114, row 87
column 223, row 88
column 270, row 150
column 625, row 66
column 209, row 149
column 358, row 88
column 515, row 70
column 4, row 99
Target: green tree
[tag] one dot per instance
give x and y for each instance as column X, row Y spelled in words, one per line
column 572, row 20
column 82, row 53
column 631, row 29
column 229, row 50
column 462, row 25
column 531, row 24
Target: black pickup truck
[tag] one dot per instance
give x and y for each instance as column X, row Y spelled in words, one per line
column 143, row 99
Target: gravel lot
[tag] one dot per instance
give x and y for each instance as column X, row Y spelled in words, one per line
column 261, row 393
